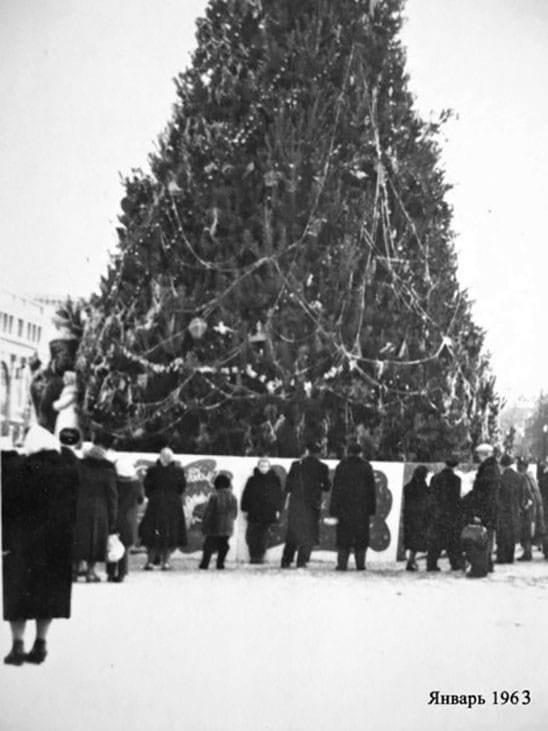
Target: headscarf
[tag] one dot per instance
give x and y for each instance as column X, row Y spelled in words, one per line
column 39, row 439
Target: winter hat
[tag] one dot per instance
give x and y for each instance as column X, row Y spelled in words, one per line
column 39, row 439
column 452, row 462
column 314, row 447
column 166, row 456
column 506, row 460
column 69, row 436
column 126, row 468
column 484, row 448
column 354, row 448
column 221, row 482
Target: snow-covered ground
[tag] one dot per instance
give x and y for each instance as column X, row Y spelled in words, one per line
column 263, row 649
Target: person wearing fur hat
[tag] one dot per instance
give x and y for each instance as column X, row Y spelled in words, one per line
column 218, row 521
column 39, row 491
column 163, row 528
column 262, row 500
column 130, row 495
column 307, row 480
column 97, row 507
column 353, row 503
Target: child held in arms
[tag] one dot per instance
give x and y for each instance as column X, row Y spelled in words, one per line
column 67, row 417
column 218, row 521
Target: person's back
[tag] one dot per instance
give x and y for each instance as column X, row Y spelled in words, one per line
column 475, row 545
column 218, row 522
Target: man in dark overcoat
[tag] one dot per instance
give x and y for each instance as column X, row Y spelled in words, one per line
column 308, row 478
column 446, row 518
column 508, row 510
column 353, row 502
column 482, row 499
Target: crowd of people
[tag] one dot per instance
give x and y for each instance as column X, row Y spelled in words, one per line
column 62, row 513
column 506, row 504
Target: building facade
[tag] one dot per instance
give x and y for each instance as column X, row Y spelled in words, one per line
column 26, row 327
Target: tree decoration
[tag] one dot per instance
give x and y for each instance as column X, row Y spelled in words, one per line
column 296, row 207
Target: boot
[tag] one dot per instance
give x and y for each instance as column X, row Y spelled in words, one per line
column 359, row 555
column 16, row 655
column 342, row 559
column 38, row 653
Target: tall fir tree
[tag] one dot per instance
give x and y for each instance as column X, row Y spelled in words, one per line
column 296, row 208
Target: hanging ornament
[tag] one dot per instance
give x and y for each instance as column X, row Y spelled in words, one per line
column 197, row 327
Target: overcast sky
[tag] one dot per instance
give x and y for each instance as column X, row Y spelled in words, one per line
column 86, row 87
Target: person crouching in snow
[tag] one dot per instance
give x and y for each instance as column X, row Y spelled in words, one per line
column 262, row 500
column 218, row 521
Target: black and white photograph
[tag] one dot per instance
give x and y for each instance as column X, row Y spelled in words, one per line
column 273, row 380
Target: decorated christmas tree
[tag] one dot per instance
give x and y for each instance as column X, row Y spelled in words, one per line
column 286, row 269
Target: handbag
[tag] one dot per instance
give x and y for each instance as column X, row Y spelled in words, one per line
column 115, row 548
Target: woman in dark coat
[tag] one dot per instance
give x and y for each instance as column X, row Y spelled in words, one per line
column 416, row 512
column 353, row 503
column 262, row 500
column 96, row 510
column 130, row 495
column 38, row 511
column 163, row 527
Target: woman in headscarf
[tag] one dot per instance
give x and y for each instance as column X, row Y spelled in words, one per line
column 39, row 491
column 416, row 512
column 97, row 507
column 163, row 527
column 262, row 500
column 130, row 495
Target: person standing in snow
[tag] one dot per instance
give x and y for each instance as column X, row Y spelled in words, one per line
column 481, row 501
column 218, row 522
column 39, row 491
column 353, row 503
column 508, row 511
column 416, row 516
column 96, row 508
column 445, row 518
column 163, row 528
column 130, row 495
column 308, row 478
column 262, row 500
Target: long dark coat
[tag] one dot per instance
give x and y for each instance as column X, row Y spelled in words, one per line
column 416, row 514
column 445, row 516
column 543, row 487
column 353, row 502
column 97, row 507
column 38, row 512
column 508, row 507
column 163, row 526
column 130, row 494
column 308, row 478
column 482, row 499
column 262, row 497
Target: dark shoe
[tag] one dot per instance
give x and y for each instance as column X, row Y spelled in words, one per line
column 92, row 578
column 220, row 566
column 285, row 565
column 148, row 567
column 203, row 566
column 167, row 567
column 38, row 653
column 16, row 656
column 341, row 568
column 433, row 568
column 361, row 568
column 411, row 567
column 525, row 557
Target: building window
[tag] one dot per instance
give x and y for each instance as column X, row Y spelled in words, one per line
column 20, row 324
column 39, row 334
column 28, row 330
column 10, row 326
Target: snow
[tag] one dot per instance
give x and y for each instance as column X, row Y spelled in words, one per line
column 255, row 647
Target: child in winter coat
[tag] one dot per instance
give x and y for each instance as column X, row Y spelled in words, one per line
column 67, row 416
column 218, row 522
